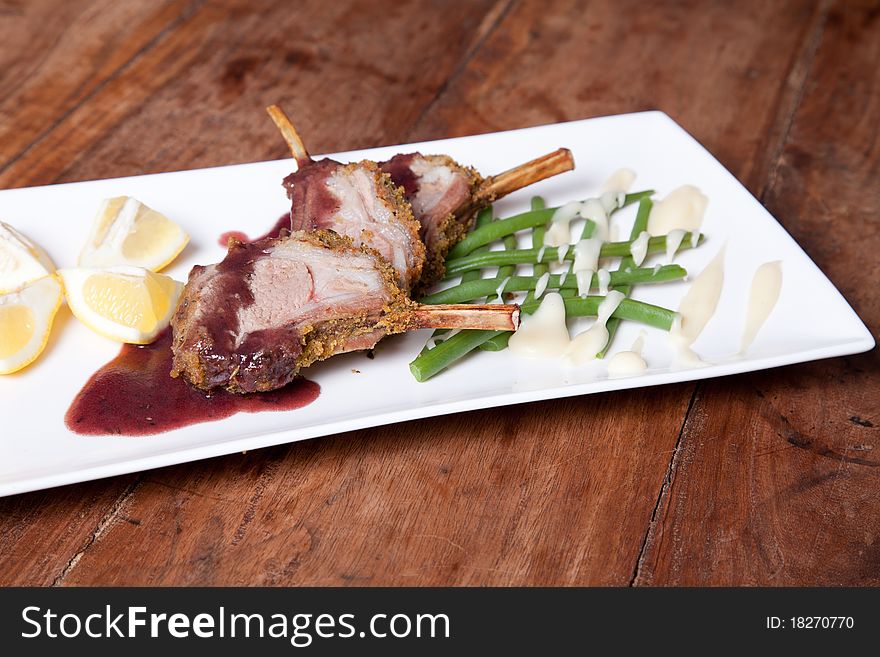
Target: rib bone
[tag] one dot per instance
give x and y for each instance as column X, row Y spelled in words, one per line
column 294, row 141
column 275, row 306
column 488, row 317
column 507, row 182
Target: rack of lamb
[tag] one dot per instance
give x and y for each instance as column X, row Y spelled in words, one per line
column 251, row 322
column 413, row 215
column 341, row 279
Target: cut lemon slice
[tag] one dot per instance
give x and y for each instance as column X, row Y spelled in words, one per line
column 126, row 304
column 21, row 261
column 26, row 317
column 127, row 232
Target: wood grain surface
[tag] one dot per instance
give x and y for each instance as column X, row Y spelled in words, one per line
column 768, row 478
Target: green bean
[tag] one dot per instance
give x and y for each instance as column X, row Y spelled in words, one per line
column 482, row 287
column 635, row 197
column 541, row 268
column 538, row 269
column 531, row 219
column 508, row 270
column 499, row 229
column 509, row 243
column 589, row 229
column 474, row 275
column 538, row 235
column 640, row 224
column 497, row 342
column 530, row 256
column 472, row 254
column 429, row 363
column 636, row 311
column 484, row 217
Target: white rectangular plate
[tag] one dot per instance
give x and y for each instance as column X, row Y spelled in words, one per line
column 37, row 451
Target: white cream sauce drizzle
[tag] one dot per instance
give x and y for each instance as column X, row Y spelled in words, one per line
column 766, row 284
column 611, row 200
column 434, row 341
column 620, row 181
column 586, row 262
column 544, row 333
column 683, row 208
column 499, row 291
column 673, row 241
column 559, row 232
column 584, row 279
column 626, row 363
column 541, row 285
column 562, row 252
column 595, row 210
column 639, row 248
column 683, row 357
column 629, row 363
column 589, row 343
column 696, row 309
column 639, row 344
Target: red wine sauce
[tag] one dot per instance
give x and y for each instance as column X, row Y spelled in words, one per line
column 134, row 395
column 283, row 223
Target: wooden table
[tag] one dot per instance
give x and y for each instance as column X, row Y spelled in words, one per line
column 766, row 478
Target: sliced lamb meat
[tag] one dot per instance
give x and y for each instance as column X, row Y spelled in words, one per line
column 440, row 191
column 356, row 200
column 274, row 306
column 414, row 216
column 361, row 202
column 446, row 196
column 270, row 307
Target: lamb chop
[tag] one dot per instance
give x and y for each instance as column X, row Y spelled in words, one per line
column 275, row 306
column 358, row 201
column 446, row 196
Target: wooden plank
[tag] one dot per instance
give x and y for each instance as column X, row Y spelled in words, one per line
column 42, row 534
column 54, row 56
column 198, row 98
column 57, row 54
column 506, row 502
column 777, row 474
column 552, row 493
column 199, row 91
column 711, row 67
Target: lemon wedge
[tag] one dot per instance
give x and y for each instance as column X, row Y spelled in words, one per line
column 26, row 317
column 21, row 261
column 127, row 232
column 126, row 304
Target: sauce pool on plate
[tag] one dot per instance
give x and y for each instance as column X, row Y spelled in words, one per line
column 135, row 395
column 282, row 224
